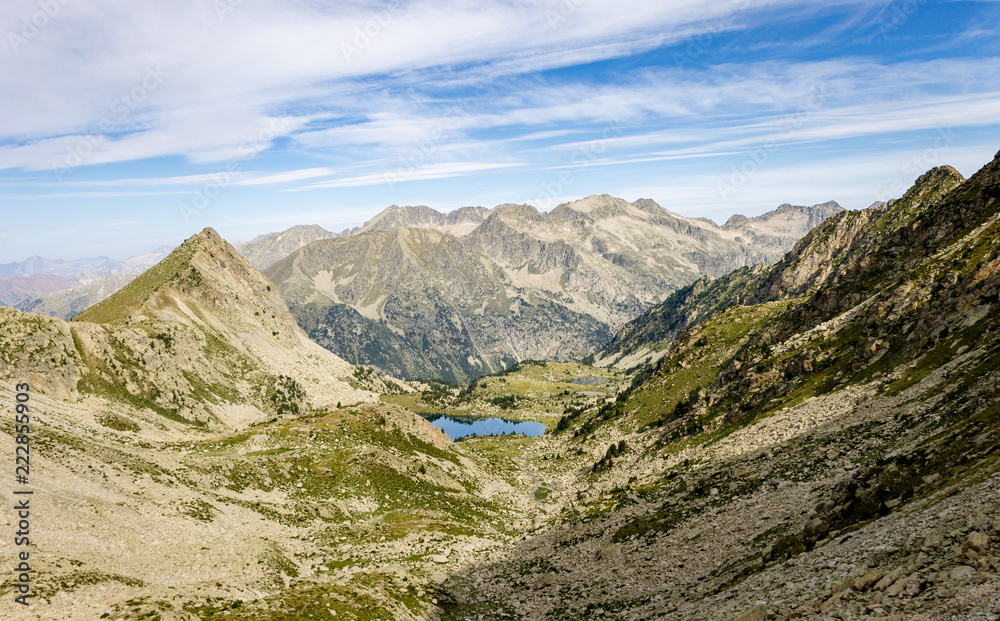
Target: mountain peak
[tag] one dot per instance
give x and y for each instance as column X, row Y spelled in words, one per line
column 264, row 251
column 649, row 205
column 596, row 206
column 204, row 267
column 458, row 222
column 209, row 237
column 936, row 178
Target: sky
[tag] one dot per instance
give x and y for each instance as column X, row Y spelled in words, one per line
column 130, row 124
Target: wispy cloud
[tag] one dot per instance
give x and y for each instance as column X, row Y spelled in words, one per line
column 421, row 173
column 288, row 176
column 218, row 91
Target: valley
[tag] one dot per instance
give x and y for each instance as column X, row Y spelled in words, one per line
column 534, row 310
column 814, row 438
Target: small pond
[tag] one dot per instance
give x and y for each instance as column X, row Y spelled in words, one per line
column 485, row 427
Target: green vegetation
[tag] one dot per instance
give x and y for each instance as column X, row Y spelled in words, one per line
column 286, row 396
column 119, row 306
column 117, row 422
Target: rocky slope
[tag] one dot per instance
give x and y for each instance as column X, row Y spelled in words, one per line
column 350, row 511
column 418, row 293
column 826, row 450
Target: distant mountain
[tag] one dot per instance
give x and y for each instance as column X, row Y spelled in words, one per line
column 266, row 250
column 458, row 222
column 785, row 225
column 418, row 293
column 419, row 303
column 149, row 259
column 36, row 277
column 67, row 303
column 13, row 289
column 72, row 269
column 66, row 269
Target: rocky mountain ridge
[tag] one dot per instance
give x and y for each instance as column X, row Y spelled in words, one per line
column 822, row 255
column 512, row 283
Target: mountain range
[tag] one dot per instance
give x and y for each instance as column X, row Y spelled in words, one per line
column 418, row 293
column 34, row 278
column 71, row 269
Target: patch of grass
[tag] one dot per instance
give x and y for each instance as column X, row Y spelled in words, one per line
column 118, row 422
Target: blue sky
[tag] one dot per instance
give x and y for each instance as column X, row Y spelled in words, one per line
column 127, row 124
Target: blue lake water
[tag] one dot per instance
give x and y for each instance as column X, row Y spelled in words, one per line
column 486, row 427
